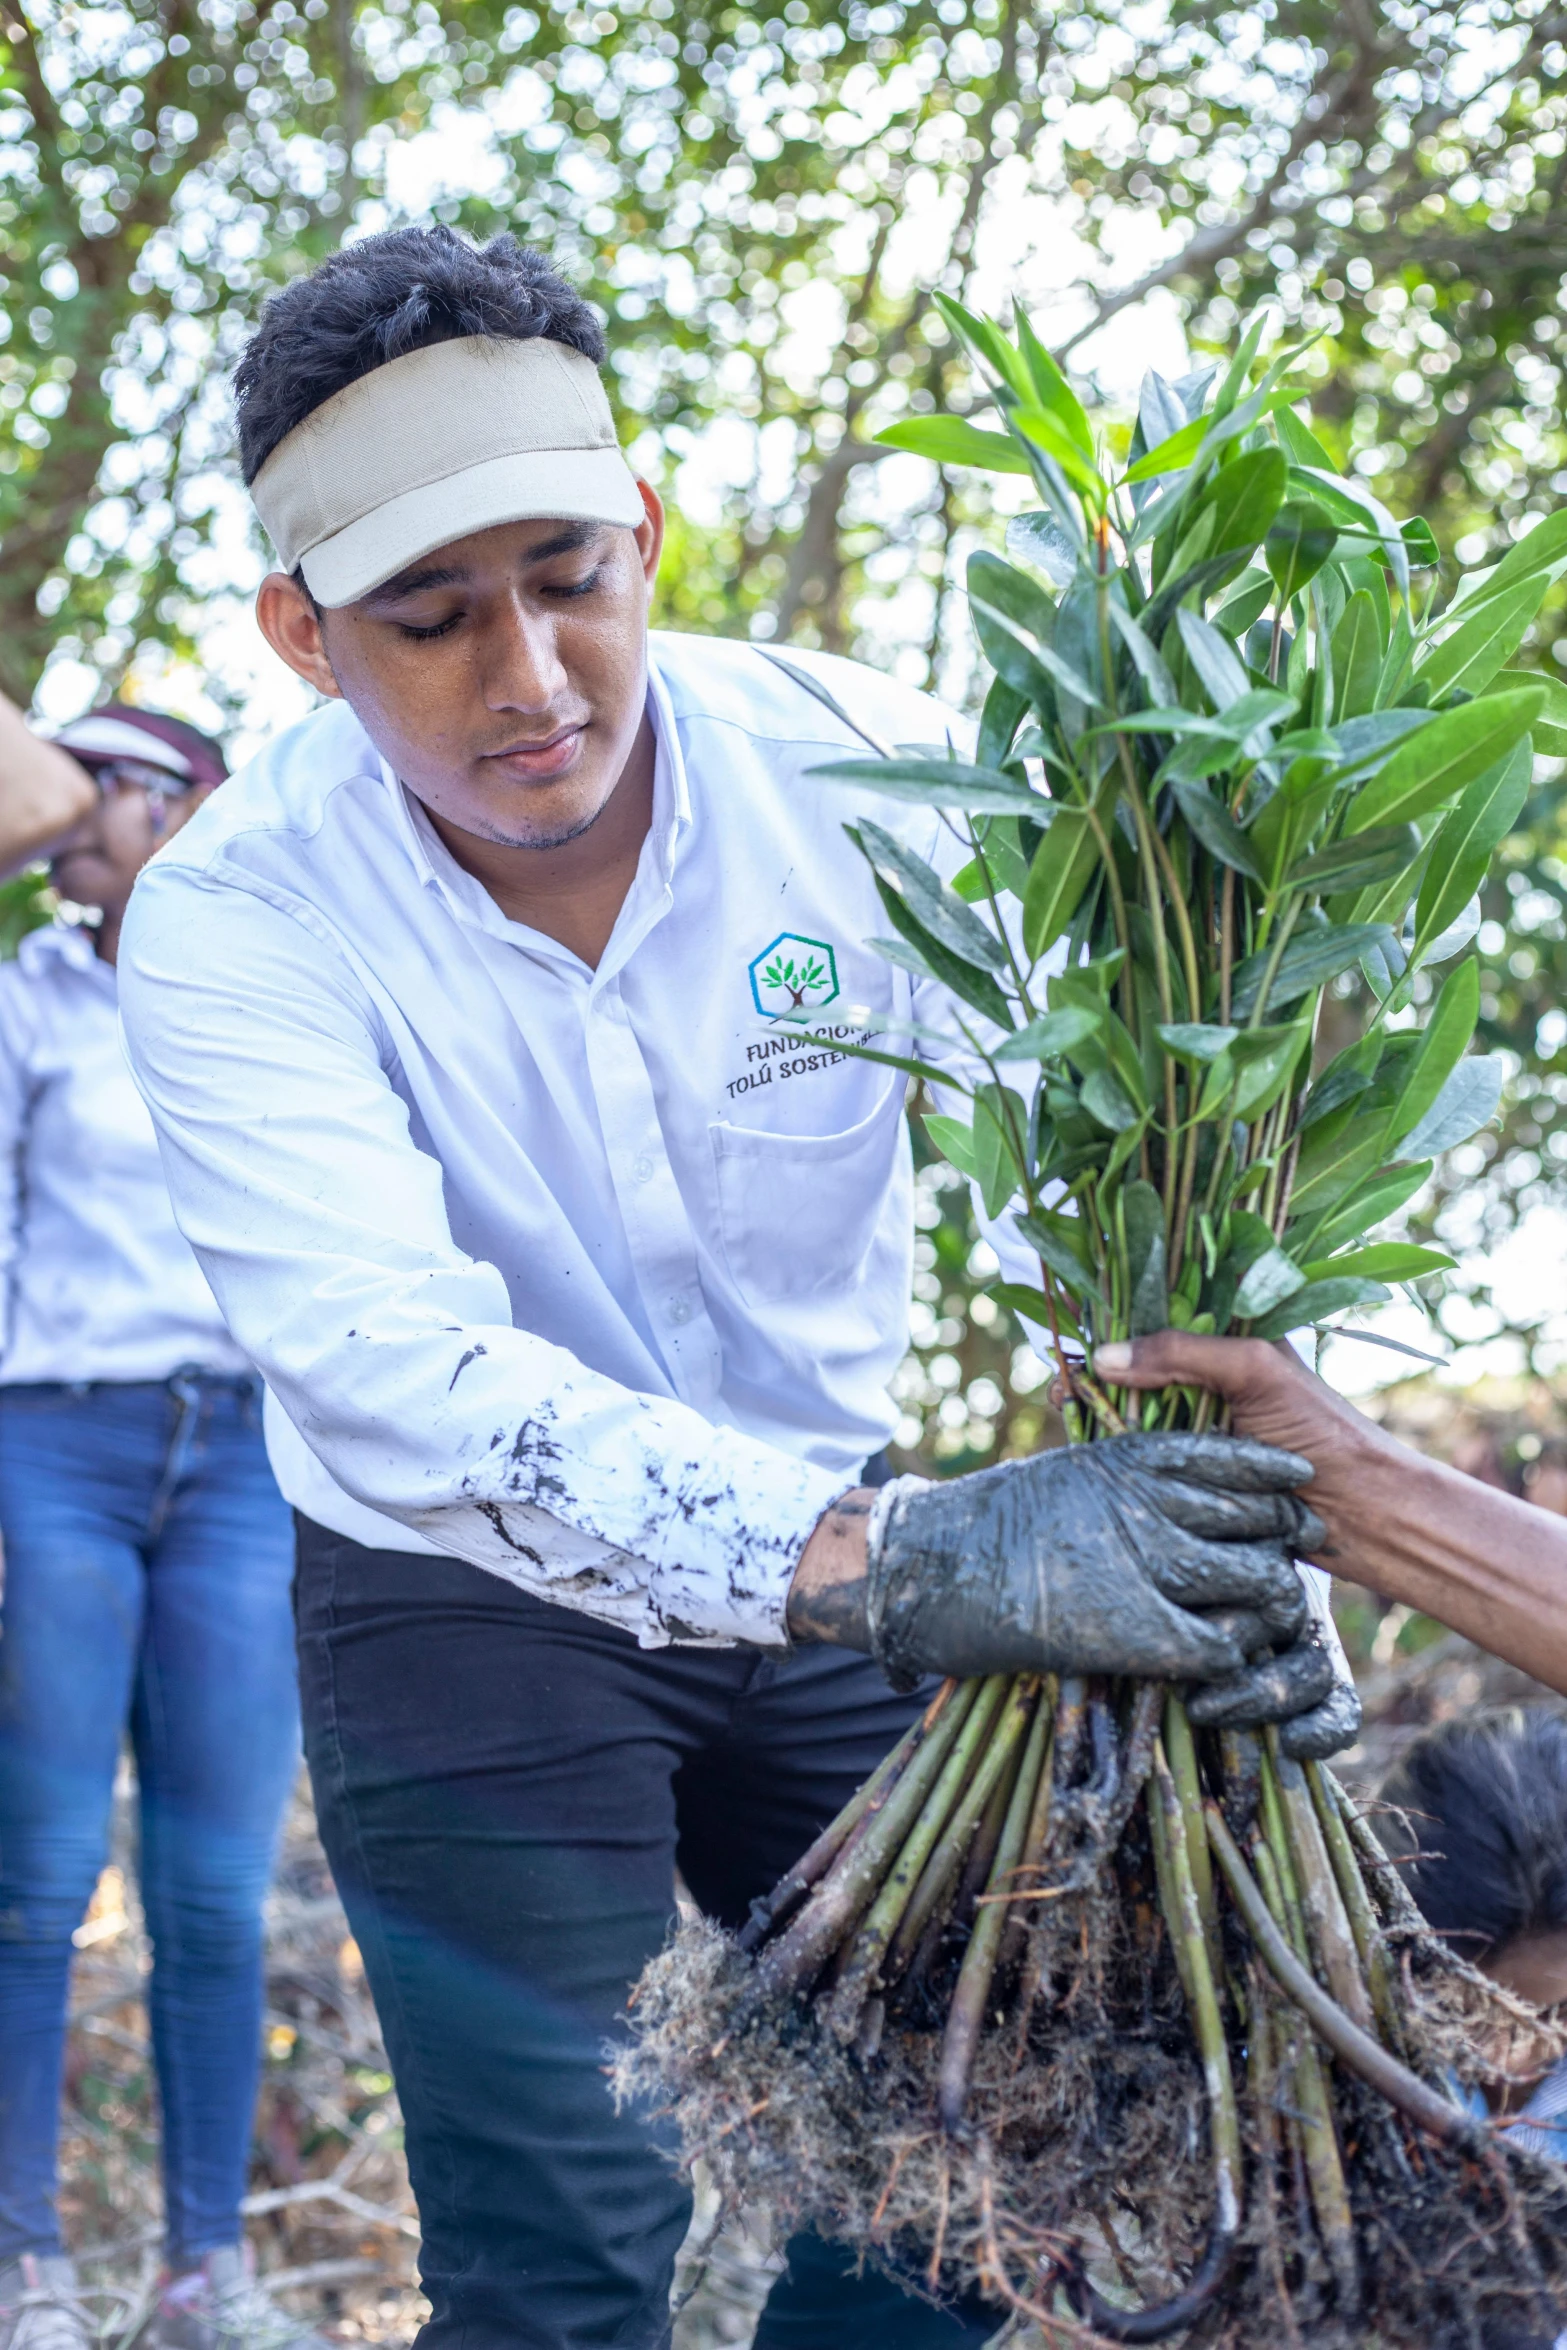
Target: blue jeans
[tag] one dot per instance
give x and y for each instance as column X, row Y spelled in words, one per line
column 148, row 1562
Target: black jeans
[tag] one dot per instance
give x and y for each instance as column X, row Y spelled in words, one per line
column 504, row 1789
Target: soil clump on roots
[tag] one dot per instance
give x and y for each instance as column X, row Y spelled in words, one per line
column 1098, row 2176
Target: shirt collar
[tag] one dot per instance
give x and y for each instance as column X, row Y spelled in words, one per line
column 64, row 942
column 650, row 894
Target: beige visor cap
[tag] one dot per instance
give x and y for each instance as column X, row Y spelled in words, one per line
column 425, row 449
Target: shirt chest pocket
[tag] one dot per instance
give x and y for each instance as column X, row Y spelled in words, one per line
column 798, row 1212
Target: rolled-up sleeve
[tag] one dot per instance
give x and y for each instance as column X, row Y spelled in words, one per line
column 322, row 1228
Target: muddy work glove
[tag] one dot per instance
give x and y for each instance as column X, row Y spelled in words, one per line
column 1307, row 1689
column 1168, row 1557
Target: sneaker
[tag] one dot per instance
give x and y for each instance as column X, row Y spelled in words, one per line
column 39, row 2307
column 220, row 2306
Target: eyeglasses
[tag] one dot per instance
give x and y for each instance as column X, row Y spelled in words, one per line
column 117, row 775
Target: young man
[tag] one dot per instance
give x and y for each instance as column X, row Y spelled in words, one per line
column 576, row 1287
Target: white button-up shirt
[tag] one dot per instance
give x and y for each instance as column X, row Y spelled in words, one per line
column 99, row 1283
column 588, row 1276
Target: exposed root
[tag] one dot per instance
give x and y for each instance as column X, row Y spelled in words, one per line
column 1080, row 2183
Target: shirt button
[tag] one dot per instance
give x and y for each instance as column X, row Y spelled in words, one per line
column 679, row 1310
column 642, row 1168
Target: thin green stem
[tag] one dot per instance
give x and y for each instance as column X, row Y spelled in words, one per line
column 850, row 1886
column 1363, row 1920
column 967, row 2013
column 946, row 1855
column 1326, row 1920
column 1431, row 2111
column 862, row 1973
column 1183, row 1915
column 1181, row 1753
column 1002, row 932
column 1281, row 940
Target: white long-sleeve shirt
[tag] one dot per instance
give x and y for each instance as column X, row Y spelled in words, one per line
column 583, row 1275
column 99, row 1283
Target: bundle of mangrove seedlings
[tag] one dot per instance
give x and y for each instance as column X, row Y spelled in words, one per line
column 1133, row 2026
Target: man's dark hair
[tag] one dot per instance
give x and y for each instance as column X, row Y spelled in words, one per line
column 1485, row 1809
column 379, row 300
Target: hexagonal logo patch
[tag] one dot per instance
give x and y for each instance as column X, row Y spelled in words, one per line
column 793, row 977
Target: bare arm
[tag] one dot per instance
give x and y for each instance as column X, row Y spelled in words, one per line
column 43, row 791
column 827, row 1596
column 1490, row 1567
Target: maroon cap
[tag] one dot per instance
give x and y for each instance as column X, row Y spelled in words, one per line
column 121, row 731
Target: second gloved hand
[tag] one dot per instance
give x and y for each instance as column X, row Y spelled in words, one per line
column 1168, row 1557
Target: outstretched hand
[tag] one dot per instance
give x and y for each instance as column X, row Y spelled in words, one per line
column 1271, row 1395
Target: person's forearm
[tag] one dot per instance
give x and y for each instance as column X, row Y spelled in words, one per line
column 1479, row 1561
column 1490, row 1567
column 43, row 791
column 827, row 1595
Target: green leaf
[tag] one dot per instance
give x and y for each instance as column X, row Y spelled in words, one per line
column 1062, row 1244
column 1471, row 656
column 1300, row 541
column 1338, row 1154
column 1031, row 1305
column 1435, row 764
column 1550, row 728
column 955, row 1141
column 1172, row 454
column 1344, row 1077
column 1143, row 1214
column 1358, row 654
column 987, row 342
column 940, row 909
column 1253, row 594
column 1000, row 1122
column 1266, row 1058
column 1369, row 1203
column 1015, row 621
column 1195, row 1040
column 1269, row 1280
column 1444, row 1042
column 998, row 837
column 1051, row 1034
column 1107, row 1101
column 1004, row 712
column 1217, row 830
column 1469, row 1100
column 1244, row 498
column 1385, row 1260
column 1315, row 1302
column 1051, row 389
column 1543, row 549
column 1310, row 960
column 937, row 782
column 1064, row 863
column 1039, row 537
column 971, row 986
column 949, row 440
column 1359, row 861
column 1420, row 540
column 1300, row 442
column 1048, row 433
column 1218, row 665
column 1466, row 842
column 1149, row 662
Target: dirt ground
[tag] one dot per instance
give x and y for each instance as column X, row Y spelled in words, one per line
column 330, row 2212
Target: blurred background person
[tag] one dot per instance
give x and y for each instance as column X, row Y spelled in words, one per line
column 147, row 1565
column 1477, row 1812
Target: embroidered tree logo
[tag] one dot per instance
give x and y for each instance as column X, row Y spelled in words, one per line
column 793, row 976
